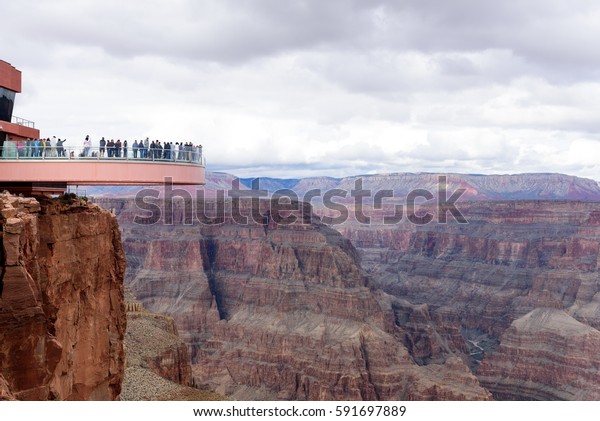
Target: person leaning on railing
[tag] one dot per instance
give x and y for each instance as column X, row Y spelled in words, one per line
column 87, row 144
column 60, row 148
column 102, row 147
column 118, row 148
column 110, row 148
column 143, row 149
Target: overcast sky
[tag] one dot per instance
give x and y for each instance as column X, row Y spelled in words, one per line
column 298, row 88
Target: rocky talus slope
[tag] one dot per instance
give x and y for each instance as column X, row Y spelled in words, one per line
column 274, row 311
column 516, row 291
column 158, row 365
column 62, row 312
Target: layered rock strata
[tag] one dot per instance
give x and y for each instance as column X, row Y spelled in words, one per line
column 278, row 311
column 545, row 355
column 516, row 291
column 448, row 289
column 62, row 313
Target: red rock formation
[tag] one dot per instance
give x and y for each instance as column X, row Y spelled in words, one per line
column 479, row 279
column 448, row 289
column 62, row 315
column 279, row 311
column 545, row 355
column 5, row 393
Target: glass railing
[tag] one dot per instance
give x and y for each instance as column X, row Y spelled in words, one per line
column 22, row 122
column 68, row 153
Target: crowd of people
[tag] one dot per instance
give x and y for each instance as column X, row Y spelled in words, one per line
column 142, row 149
column 147, row 149
column 39, row 148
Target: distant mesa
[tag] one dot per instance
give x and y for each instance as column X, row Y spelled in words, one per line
column 533, row 186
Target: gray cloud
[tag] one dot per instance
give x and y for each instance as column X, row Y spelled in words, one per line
column 307, row 87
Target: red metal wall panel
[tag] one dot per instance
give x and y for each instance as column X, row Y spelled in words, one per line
column 10, row 78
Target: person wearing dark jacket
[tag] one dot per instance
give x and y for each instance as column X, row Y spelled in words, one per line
column 102, row 147
column 60, row 149
column 110, row 146
column 118, row 148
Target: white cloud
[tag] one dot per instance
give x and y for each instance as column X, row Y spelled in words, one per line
column 320, row 88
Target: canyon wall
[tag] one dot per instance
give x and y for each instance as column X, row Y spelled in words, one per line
column 279, row 311
column 514, row 294
column 62, row 313
column 515, row 291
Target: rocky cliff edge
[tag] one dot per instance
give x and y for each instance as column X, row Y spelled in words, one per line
column 62, row 311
